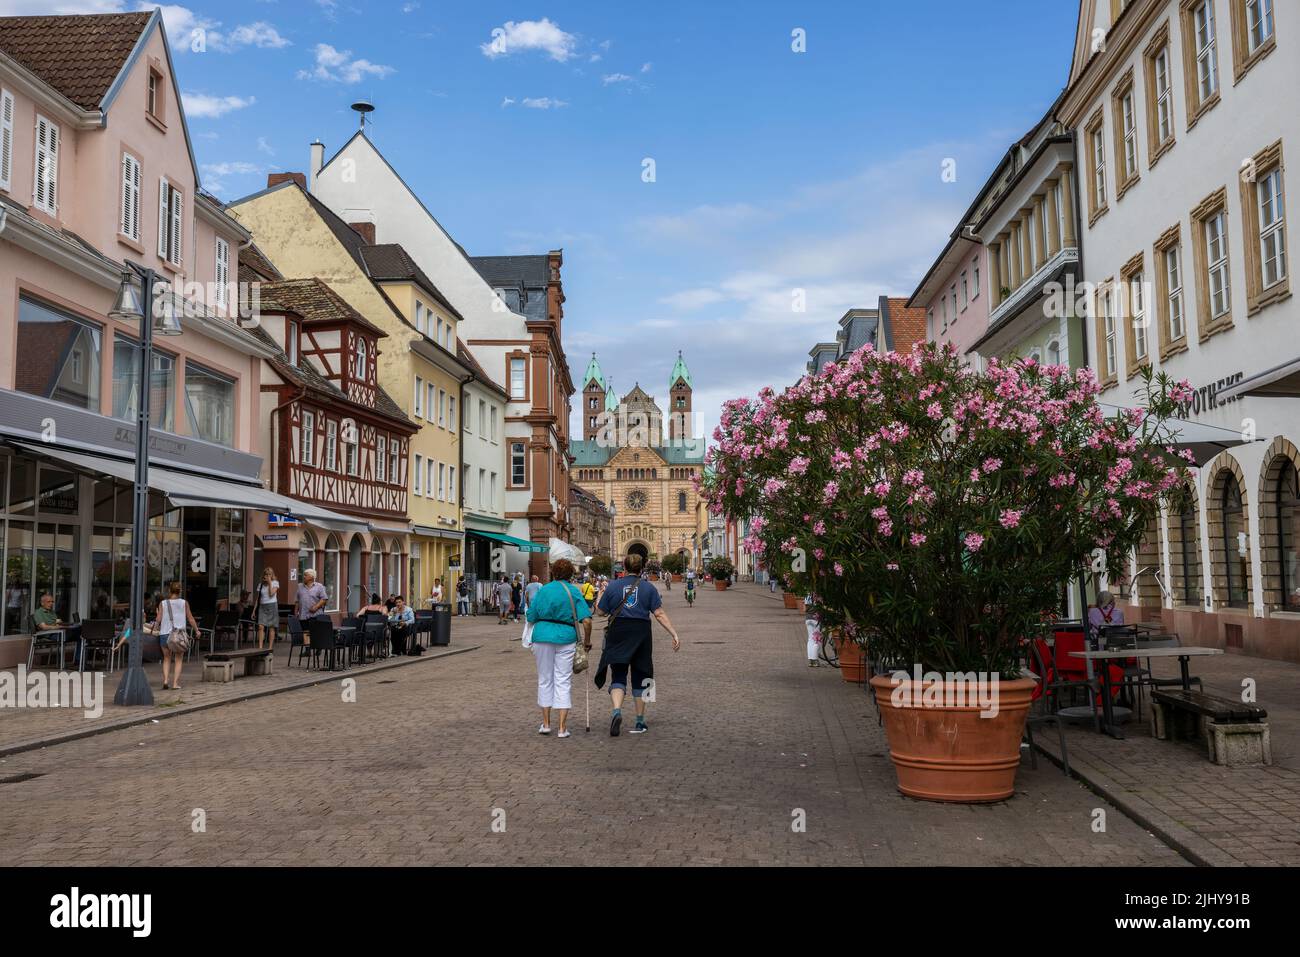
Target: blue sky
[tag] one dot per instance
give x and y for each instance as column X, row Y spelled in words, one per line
column 774, row 170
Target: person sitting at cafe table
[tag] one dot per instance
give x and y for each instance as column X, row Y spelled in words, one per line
column 1104, row 613
column 400, row 624
column 44, row 618
column 312, row 596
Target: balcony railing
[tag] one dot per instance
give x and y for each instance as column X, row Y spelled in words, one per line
column 1032, row 287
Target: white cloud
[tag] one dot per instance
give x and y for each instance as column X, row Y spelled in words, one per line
column 689, row 299
column 507, row 101
column 338, row 66
column 28, row 8
column 610, row 78
column 646, row 67
column 528, row 35
column 203, row 106
column 260, row 34
column 410, row 7
column 236, row 168
column 264, row 147
column 594, row 58
column 543, row 103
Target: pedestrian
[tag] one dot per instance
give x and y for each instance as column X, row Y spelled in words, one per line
column 400, row 624
column 588, row 591
column 503, row 600
column 435, row 593
column 376, row 607
column 530, row 592
column 630, row 604
column 556, row 614
column 516, row 599
column 312, row 596
column 813, row 626
column 462, row 598
column 173, row 640
column 268, row 608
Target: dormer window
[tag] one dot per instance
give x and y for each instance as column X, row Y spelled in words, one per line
column 360, row 372
column 291, row 342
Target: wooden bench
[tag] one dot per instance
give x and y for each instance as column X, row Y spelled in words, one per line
column 1235, row 732
column 220, row 665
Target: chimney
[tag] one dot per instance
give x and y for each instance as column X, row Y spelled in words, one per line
column 275, row 179
column 317, row 161
column 367, row 231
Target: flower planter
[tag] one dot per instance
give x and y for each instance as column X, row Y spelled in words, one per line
column 791, row 601
column 676, row 577
column 947, row 752
column 719, row 585
column 853, row 661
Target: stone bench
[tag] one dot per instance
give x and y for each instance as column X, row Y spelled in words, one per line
column 1235, row 732
column 220, row 665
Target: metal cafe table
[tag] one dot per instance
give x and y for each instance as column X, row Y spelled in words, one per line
column 1108, row 725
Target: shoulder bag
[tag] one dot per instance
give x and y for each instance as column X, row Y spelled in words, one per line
column 178, row 639
column 580, row 661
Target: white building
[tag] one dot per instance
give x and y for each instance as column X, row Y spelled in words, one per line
column 1182, row 117
column 519, row 351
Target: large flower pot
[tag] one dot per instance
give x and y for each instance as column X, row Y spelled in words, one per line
column 676, row 577
column 791, row 601
column 853, row 661
column 946, row 751
column 719, row 585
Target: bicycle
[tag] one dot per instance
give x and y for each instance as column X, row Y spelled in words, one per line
column 690, row 596
column 829, row 653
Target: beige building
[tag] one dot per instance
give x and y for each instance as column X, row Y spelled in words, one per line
column 645, row 479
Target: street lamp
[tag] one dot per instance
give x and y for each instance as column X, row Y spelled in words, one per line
column 613, row 548
column 135, row 292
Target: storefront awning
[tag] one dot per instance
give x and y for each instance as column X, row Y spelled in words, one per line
column 1280, row 381
column 428, row 531
column 196, row 491
column 1204, row 441
column 519, row 543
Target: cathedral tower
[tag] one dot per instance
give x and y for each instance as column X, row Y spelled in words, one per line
column 594, row 390
column 679, row 401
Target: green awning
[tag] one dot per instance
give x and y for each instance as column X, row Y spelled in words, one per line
column 519, row 543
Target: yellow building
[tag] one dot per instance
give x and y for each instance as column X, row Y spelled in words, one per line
column 419, row 367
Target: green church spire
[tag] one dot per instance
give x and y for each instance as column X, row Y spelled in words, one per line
column 593, row 373
column 680, row 372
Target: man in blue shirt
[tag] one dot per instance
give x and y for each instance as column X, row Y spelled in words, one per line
column 400, row 623
column 630, row 603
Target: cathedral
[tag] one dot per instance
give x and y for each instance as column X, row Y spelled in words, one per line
column 625, row 460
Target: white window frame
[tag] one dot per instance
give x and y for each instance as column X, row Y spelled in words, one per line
column 523, row 465
column 1164, row 96
column 1174, row 282
column 1259, row 18
column 442, row 481
column 307, row 439
column 975, row 285
column 419, row 317
column 1216, row 268
column 1269, row 193
column 171, row 209
column 522, row 394
column 46, row 157
column 394, row 461
column 132, row 184
column 1207, row 63
column 428, row 481
column 430, row 397
column 1128, row 119
column 1108, row 326
column 291, row 342
column 451, row 414
column 493, row 418
column 442, row 408
column 352, row 456
column 451, row 484
column 1137, row 303
column 419, row 473
column 381, row 459
column 331, row 445
column 1098, row 135
column 419, row 397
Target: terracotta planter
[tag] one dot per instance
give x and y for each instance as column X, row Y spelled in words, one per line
column 947, row 752
column 676, row 577
column 853, row 662
column 791, row 601
column 719, row 585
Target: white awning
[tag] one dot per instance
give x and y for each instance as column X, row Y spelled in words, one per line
column 1205, row 441
column 197, row 491
column 1280, row 381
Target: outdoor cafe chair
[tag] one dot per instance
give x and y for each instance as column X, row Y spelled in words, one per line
column 1047, row 700
column 324, row 641
column 98, row 635
column 355, row 638
column 296, row 639
column 226, row 623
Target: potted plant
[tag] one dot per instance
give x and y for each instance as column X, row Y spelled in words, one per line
column 936, row 513
column 674, row 564
column 721, row 569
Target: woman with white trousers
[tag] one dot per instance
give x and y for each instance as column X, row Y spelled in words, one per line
column 556, row 615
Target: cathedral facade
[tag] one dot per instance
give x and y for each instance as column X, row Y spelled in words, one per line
column 641, row 470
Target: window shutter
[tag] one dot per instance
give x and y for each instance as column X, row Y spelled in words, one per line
column 164, row 204
column 45, row 189
column 130, row 196
column 223, row 270
column 177, row 206
column 6, row 138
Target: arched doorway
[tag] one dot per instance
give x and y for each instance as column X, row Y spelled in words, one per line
column 1185, row 548
column 356, row 586
column 1229, row 537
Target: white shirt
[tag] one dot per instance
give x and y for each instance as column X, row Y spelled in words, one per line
column 267, row 592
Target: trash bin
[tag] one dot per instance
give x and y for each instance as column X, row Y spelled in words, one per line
column 441, row 623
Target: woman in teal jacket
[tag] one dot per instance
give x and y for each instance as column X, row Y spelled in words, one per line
column 556, row 614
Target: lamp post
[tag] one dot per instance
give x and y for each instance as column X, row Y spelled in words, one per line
column 130, row 306
column 613, row 549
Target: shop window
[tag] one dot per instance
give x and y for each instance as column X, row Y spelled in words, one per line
column 58, row 356
column 209, row 404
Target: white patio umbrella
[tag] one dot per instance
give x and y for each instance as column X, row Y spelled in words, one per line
column 1205, row 441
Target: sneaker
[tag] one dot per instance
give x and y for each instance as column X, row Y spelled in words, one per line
column 563, row 734
column 639, row 729
column 543, row 729
column 615, row 724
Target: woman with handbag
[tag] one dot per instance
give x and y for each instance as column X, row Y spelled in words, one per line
column 173, row 638
column 555, row 617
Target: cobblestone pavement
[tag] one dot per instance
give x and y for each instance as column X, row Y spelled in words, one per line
column 428, row 758
column 1219, row 815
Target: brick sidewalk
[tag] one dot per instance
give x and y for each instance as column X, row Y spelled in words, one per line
column 743, row 737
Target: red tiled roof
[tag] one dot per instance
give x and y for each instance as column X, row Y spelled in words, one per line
column 315, row 301
column 80, row 56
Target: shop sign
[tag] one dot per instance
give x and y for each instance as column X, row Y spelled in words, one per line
column 275, row 538
column 1206, row 397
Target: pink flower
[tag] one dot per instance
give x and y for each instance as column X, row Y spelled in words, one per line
column 991, row 465
column 1010, row 518
column 892, row 566
column 819, row 528
column 799, row 464
column 880, row 513
column 974, row 540
column 839, row 569
column 917, row 539
column 885, row 528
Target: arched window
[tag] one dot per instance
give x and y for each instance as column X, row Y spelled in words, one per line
column 395, row 571
column 330, row 573
column 681, row 501
column 306, row 553
column 1235, row 545
column 1188, row 590
column 1288, row 524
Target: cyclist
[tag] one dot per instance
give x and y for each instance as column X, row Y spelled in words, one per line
column 690, row 588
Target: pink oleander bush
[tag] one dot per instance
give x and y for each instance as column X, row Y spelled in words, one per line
column 935, row 513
